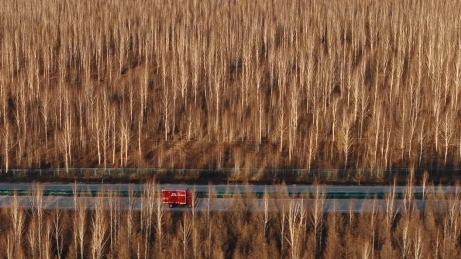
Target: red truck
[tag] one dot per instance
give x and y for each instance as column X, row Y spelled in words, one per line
column 174, row 197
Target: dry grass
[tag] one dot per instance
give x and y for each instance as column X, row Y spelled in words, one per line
column 230, row 84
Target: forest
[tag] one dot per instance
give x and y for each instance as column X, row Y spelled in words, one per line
column 111, row 227
column 230, row 84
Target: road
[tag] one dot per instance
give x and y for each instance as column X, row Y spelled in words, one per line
column 204, row 204
column 224, row 197
column 281, row 189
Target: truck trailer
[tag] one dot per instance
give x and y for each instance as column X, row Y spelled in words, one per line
column 174, row 197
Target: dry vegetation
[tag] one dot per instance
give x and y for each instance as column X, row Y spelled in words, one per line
column 294, row 230
column 230, row 84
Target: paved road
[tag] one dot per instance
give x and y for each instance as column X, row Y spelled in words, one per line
column 216, row 204
column 224, row 203
column 231, row 188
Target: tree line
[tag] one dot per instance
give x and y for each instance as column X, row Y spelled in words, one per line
column 109, row 226
column 235, row 84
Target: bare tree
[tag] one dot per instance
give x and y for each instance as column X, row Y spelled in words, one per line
column 282, row 127
column 80, row 227
column 47, row 243
column 403, row 123
column 125, row 142
column 316, row 216
column 418, row 245
column 367, row 250
column 45, row 109
column 296, row 219
column 421, row 137
column 282, row 232
column 143, row 101
column 37, row 215
column 98, row 129
column 147, row 211
column 105, row 127
column 386, row 146
column 266, row 211
column 453, row 215
column 159, row 213
column 208, row 221
column 311, row 150
column 447, row 133
column 457, row 78
column 17, row 218
column 99, row 228
column 8, row 144
column 405, row 241
column 408, row 194
column 376, row 134
column 391, row 210
column 293, row 120
column 114, row 217
column 11, row 253
column 363, row 111
column 166, row 101
column 57, row 229
column 32, row 238
column 129, row 217
column 373, row 227
column 260, row 103
column 185, row 229
column 413, row 118
column 68, row 127
column 194, row 232
column 80, row 109
column 115, row 133
column 437, row 110
column 345, row 139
